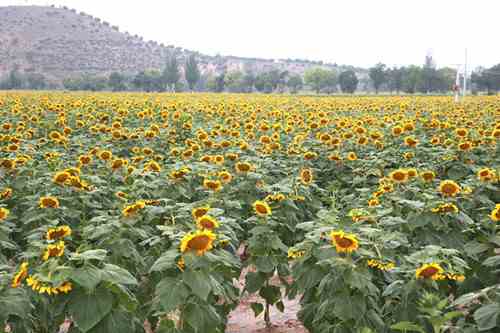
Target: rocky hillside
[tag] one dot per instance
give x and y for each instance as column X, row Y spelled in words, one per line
column 62, row 42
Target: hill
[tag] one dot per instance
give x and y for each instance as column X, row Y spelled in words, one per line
column 62, row 42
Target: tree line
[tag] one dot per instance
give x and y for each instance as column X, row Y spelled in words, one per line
column 186, row 76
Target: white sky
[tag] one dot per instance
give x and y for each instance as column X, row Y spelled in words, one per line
column 355, row 32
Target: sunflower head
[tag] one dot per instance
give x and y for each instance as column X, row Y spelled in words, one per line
column 429, row 271
column 427, row 176
column 207, row 222
column 199, row 241
column 58, row 232
column 495, row 213
column 261, row 208
column 399, row 176
column 306, row 176
column 212, row 185
column 344, row 243
column 449, row 188
column 49, row 202
column 4, row 213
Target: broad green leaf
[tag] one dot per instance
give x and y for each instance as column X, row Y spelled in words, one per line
column 199, row 283
column 486, row 316
column 407, row 326
column 88, row 309
column 116, row 274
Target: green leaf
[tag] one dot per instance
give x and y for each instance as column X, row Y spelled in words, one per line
column 486, row 316
column 115, row 321
column 254, row 281
column 492, row 261
column 271, row 294
column 99, row 255
column 257, row 308
column 265, row 264
column 280, row 306
column 407, row 326
column 88, row 309
column 199, row 283
column 116, row 274
column 165, row 261
column 171, row 292
column 87, row 276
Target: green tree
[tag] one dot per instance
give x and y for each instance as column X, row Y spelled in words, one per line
column 330, row 82
column 348, row 81
column 294, row 83
column 36, row 81
column 378, row 76
column 395, row 79
column 233, row 81
column 171, row 74
column 191, row 71
column 316, row 78
column 487, row 79
column 412, row 78
column 117, row 81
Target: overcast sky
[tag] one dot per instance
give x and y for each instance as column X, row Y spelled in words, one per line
column 357, row 32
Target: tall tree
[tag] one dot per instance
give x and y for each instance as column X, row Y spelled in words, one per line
column 116, row 81
column 191, row 71
column 171, row 74
column 316, row 78
column 395, row 79
column 378, row 76
column 412, row 78
column 487, row 79
column 294, row 83
column 348, row 81
column 428, row 76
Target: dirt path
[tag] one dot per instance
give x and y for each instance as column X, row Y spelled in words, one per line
column 242, row 319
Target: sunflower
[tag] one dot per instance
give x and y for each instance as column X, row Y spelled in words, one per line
column 427, row 176
column 261, row 208
column 399, row 176
column 344, row 243
column 152, row 166
column 449, row 188
column 486, row 175
column 207, row 222
column 310, row 155
column 225, row 176
column 49, row 202
column 427, row 271
column 6, row 193
column 351, row 156
column 57, row 233
column 306, row 176
column 85, row 159
column 243, row 167
column 53, row 250
column 411, row 141
column 213, row 185
column 134, row 208
column 412, row 172
column 61, row 177
column 4, row 213
column 20, row 276
column 445, row 208
column 105, row 155
column 495, row 213
column 199, row 241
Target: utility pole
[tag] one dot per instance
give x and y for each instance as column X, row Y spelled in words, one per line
column 456, row 87
column 465, row 76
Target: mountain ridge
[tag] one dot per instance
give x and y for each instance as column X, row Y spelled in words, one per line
column 60, row 42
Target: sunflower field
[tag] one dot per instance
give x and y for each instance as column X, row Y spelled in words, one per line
column 138, row 212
